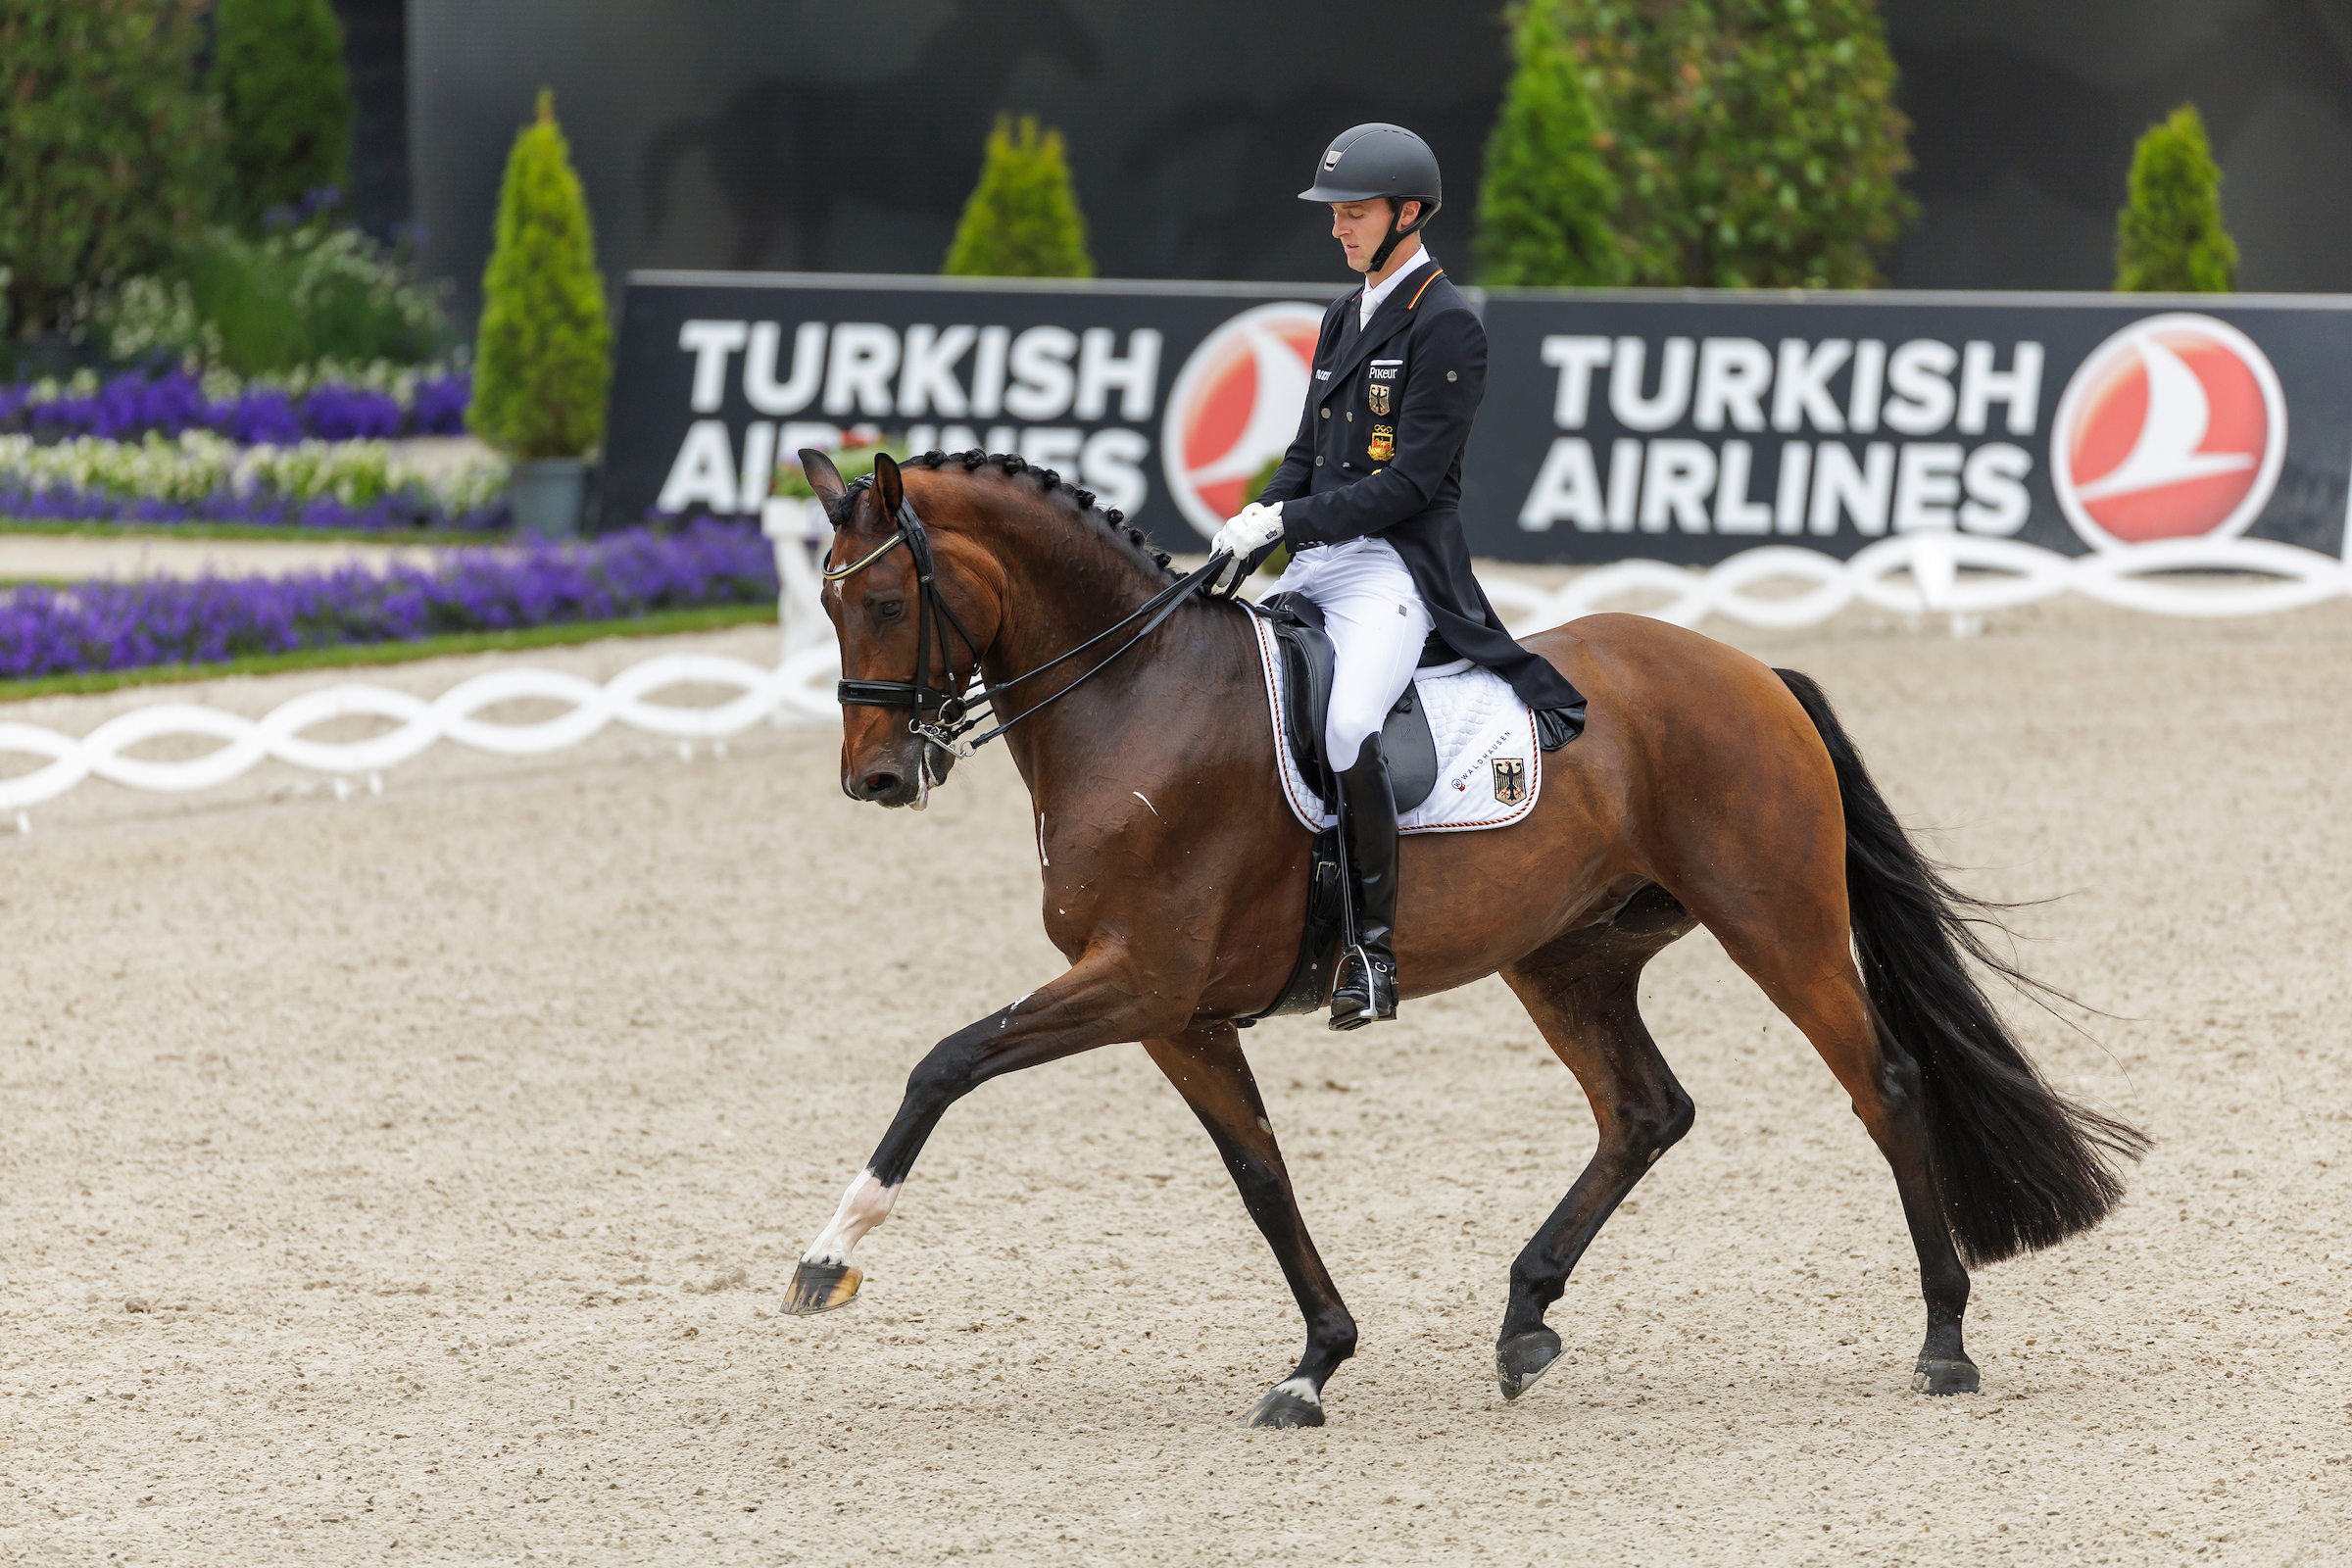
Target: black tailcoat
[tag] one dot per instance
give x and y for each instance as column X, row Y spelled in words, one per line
column 1379, row 451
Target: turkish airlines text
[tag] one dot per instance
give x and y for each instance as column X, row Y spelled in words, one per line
column 953, row 383
column 1728, row 435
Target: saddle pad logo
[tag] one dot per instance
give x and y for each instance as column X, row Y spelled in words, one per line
column 1383, row 445
column 1379, row 398
column 1510, row 780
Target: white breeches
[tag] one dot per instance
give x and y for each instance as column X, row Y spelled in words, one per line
column 1378, row 625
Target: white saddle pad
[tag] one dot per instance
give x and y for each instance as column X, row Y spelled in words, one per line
column 1489, row 769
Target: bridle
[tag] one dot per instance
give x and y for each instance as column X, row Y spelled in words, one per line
column 931, row 609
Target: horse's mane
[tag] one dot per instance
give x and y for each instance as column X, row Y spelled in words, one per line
column 1109, row 524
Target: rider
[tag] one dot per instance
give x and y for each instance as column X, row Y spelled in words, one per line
column 1366, row 499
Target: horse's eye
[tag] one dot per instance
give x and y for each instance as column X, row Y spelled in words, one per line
column 890, row 608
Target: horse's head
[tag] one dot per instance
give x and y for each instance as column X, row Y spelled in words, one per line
column 874, row 595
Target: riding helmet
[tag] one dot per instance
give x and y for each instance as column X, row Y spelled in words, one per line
column 1368, row 162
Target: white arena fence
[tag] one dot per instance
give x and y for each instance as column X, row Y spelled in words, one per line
column 1915, row 575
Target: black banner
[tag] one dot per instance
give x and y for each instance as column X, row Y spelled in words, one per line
column 1688, row 428
column 1682, row 428
column 721, row 375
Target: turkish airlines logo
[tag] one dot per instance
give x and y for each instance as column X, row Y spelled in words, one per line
column 1235, row 408
column 2173, row 428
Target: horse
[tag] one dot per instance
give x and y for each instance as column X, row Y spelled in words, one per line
column 1706, row 788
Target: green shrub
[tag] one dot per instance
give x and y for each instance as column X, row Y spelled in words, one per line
column 277, row 303
column 107, row 151
column 543, row 358
column 1546, row 208
column 285, row 97
column 2168, row 238
column 1023, row 219
column 1756, row 143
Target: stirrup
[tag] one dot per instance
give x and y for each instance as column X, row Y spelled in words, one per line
column 1373, row 1001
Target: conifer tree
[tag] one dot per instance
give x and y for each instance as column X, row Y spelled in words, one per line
column 2169, row 237
column 543, row 358
column 1546, row 208
column 1756, row 143
column 107, row 151
column 1023, row 219
column 277, row 70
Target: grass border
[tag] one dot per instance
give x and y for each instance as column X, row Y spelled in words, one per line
column 671, row 622
column 272, row 533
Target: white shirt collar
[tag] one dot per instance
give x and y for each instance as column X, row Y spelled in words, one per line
column 1374, row 295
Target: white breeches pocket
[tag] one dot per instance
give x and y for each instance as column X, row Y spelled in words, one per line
column 1378, row 626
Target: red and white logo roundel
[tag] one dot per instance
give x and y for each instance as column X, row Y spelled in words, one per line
column 1235, row 408
column 2173, row 428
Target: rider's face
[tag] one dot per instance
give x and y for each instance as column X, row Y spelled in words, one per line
column 1360, row 226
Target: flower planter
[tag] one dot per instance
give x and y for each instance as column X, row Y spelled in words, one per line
column 549, row 492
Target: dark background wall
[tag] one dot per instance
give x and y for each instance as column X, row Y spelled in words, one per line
column 792, row 135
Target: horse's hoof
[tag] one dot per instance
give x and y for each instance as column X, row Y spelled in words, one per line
column 1958, row 1375
column 820, row 1288
column 1523, row 1358
column 1288, row 1403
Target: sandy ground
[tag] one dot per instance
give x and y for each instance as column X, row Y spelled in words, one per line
column 412, row 1178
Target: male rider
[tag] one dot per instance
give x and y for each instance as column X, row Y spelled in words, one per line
column 1367, row 499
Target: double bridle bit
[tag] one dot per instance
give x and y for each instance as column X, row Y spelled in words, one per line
column 954, row 707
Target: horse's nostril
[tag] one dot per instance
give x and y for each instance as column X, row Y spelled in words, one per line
column 878, row 785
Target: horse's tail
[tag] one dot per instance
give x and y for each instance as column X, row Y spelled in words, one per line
column 2017, row 1165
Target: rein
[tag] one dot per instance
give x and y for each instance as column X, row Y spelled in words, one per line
column 955, row 709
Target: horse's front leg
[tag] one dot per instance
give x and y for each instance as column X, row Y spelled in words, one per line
column 1206, row 1065
column 1104, row 1001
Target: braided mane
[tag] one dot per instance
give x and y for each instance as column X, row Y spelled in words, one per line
column 1110, row 521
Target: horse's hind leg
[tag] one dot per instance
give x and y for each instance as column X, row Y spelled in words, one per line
column 1816, row 984
column 1206, row 1065
column 1579, row 990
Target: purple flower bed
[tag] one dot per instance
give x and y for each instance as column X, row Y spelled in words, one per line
column 107, row 625
column 130, row 405
column 400, row 511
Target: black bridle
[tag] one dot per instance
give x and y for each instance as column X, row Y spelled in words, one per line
column 931, row 609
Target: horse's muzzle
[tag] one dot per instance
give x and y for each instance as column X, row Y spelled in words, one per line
column 904, row 779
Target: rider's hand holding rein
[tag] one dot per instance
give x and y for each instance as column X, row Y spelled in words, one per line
column 1241, row 538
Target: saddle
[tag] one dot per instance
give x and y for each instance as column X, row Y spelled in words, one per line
column 1307, row 662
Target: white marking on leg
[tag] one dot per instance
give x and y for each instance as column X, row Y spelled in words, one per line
column 1299, row 1389
column 867, row 1204
column 1148, row 805
column 1041, row 840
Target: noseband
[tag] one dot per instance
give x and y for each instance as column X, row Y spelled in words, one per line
column 955, row 706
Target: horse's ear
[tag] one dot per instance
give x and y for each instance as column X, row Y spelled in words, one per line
column 888, row 485
column 822, row 478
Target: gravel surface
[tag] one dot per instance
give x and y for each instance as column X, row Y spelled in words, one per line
column 413, row 1177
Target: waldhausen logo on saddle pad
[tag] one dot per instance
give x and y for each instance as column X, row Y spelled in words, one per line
column 1510, row 779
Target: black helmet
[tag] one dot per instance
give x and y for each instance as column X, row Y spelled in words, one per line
column 1371, row 162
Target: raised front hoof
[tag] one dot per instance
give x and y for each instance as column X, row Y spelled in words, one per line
column 820, row 1288
column 1286, row 1405
column 1523, row 1358
column 1944, row 1377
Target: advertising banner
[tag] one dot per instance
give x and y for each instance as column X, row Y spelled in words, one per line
column 1164, row 399
column 1683, row 429
column 1688, row 428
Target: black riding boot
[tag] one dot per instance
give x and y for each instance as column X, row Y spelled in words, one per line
column 1367, row 985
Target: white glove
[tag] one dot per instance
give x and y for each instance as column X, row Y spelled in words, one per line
column 1243, row 537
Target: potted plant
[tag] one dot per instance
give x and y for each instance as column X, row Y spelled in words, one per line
column 543, row 360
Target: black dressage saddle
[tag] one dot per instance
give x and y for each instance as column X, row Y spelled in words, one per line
column 1306, row 667
column 1305, row 673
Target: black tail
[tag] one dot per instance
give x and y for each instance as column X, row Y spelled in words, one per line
column 2018, row 1165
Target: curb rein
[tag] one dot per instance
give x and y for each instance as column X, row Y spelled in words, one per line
column 954, row 711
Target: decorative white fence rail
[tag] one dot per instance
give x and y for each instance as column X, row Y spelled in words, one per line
column 1911, row 574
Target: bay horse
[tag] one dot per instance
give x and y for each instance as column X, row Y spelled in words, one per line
column 1706, row 788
